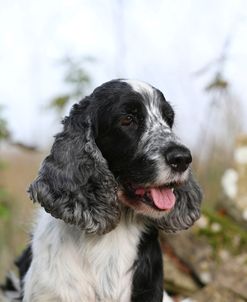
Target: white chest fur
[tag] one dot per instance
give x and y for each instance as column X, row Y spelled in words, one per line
column 70, row 266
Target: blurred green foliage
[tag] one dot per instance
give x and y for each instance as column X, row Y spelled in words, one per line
column 76, row 79
column 4, row 133
column 228, row 235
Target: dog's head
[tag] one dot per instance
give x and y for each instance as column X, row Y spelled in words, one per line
column 117, row 149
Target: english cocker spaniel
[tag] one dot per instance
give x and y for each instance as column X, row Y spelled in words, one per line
column 115, row 176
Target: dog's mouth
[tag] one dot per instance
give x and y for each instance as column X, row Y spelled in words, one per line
column 160, row 198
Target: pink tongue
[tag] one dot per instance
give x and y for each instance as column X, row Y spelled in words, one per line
column 164, row 199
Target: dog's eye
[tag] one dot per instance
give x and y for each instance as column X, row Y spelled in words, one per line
column 126, row 120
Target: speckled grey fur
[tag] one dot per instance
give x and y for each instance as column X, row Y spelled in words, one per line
column 74, row 182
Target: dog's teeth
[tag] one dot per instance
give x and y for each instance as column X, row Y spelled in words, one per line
column 172, row 189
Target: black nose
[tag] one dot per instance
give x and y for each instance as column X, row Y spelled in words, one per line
column 178, row 157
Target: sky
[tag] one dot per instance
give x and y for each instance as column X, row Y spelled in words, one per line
column 161, row 42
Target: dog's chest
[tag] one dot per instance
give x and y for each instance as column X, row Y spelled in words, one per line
column 107, row 263
column 70, row 266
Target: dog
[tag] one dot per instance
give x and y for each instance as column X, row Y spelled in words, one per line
column 116, row 175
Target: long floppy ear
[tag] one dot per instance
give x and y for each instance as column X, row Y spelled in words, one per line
column 74, row 182
column 186, row 210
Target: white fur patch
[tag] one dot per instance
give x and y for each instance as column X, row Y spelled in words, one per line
column 154, row 115
column 69, row 265
column 140, row 86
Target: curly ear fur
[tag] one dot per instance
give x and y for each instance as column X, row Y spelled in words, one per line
column 187, row 209
column 74, row 182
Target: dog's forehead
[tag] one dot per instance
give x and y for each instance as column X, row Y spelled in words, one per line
column 141, row 87
column 150, row 95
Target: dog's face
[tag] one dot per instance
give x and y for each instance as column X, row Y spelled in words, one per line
column 135, row 136
column 118, row 147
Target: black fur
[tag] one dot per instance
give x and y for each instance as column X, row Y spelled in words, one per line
column 148, row 276
column 24, row 261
